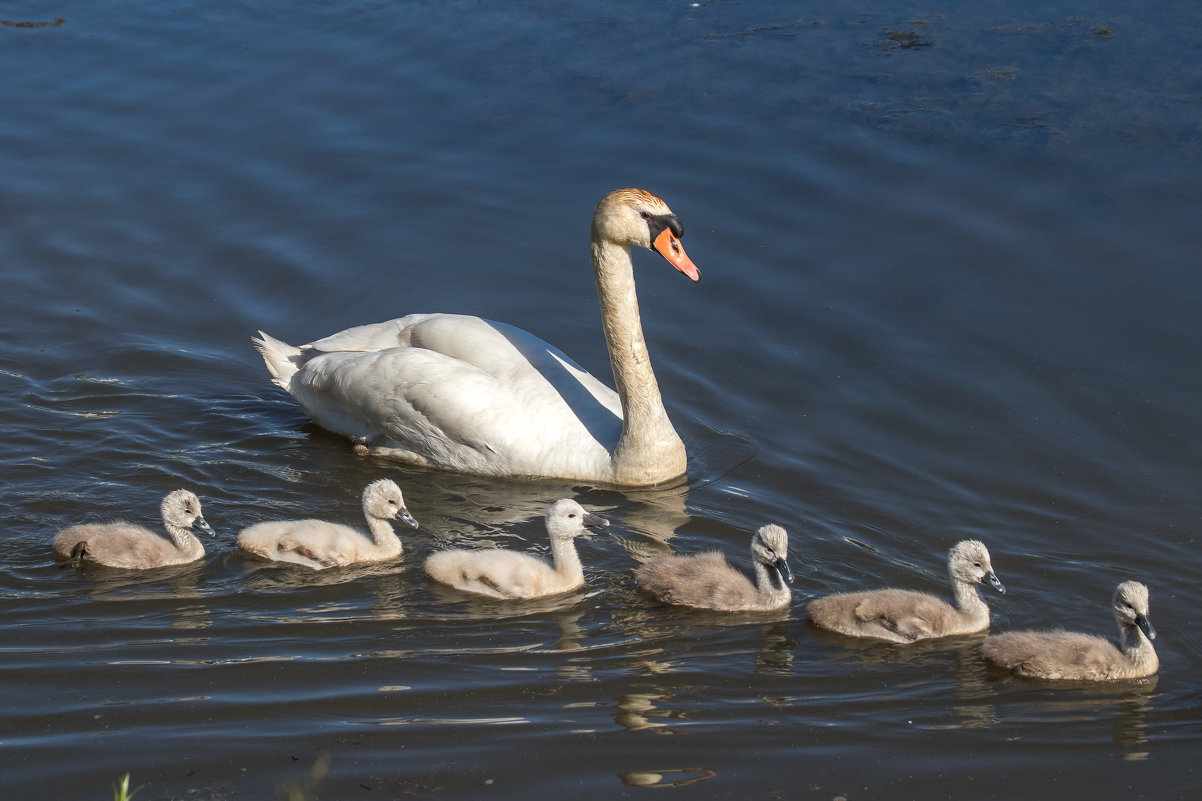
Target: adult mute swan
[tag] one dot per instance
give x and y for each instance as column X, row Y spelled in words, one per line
column 904, row 616
column 501, row 573
column 319, row 544
column 122, row 544
column 1072, row 656
column 708, row 581
column 467, row 394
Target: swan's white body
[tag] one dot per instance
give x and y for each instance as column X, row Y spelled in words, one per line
column 1073, row 656
column 500, row 573
column 471, row 395
column 905, row 616
column 320, row 544
column 709, row 581
column 122, row 544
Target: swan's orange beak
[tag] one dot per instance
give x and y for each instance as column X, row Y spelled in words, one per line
column 670, row 248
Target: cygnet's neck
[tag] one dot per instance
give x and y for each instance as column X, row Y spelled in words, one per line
column 382, row 534
column 566, row 560
column 649, row 449
column 1138, row 650
column 968, row 600
column 183, row 537
column 769, row 582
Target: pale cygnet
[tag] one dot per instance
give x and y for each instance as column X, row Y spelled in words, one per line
column 122, row 544
column 320, row 544
column 1083, row 657
column 501, row 573
column 708, row 581
column 904, row 616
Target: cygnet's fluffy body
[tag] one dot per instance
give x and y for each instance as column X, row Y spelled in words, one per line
column 709, row 581
column 501, row 573
column 1073, row 656
column 122, row 544
column 321, row 544
column 905, row 616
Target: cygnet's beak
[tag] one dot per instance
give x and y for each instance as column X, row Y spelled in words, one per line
column 1145, row 626
column 993, row 582
column 668, row 246
column 591, row 520
column 203, row 525
column 403, row 515
column 783, row 567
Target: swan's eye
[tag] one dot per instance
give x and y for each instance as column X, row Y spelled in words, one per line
column 646, row 215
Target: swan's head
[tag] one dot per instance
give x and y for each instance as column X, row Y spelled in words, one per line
column 770, row 546
column 1131, row 607
column 969, row 561
column 382, row 499
column 566, row 518
column 181, row 509
column 636, row 217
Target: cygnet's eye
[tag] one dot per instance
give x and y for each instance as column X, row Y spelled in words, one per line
column 976, row 564
column 571, row 514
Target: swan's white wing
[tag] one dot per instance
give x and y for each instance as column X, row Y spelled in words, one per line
column 366, row 338
column 500, row 350
column 486, row 406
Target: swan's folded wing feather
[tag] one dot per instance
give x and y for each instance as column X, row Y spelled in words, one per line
column 508, row 353
column 451, row 412
column 365, row 338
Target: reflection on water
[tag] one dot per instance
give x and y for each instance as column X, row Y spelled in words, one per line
column 1129, row 705
column 666, row 778
column 638, row 711
column 193, row 618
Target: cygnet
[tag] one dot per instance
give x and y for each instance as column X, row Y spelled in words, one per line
column 320, row 544
column 905, row 616
column 502, row 573
column 709, row 581
column 122, row 544
column 1083, row 657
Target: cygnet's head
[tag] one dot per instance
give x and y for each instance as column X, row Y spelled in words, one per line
column 637, row 217
column 181, row 509
column 969, row 561
column 382, row 499
column 770, row 546
column 567, row 519
column 1131, row 607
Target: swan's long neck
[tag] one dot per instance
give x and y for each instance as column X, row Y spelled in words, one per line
column 649, row 449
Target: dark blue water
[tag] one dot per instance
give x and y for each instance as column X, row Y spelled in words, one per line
column 950, row 289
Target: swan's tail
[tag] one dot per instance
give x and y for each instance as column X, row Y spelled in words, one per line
column 282, row 359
